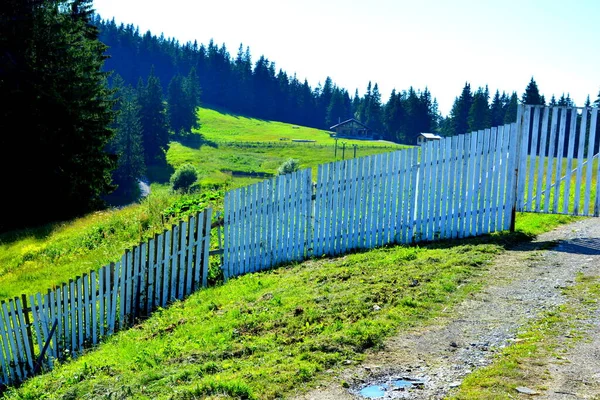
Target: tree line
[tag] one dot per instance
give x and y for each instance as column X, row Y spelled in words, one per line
column 261, row 90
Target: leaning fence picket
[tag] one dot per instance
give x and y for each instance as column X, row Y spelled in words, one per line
column 590, row 160
column 580, row 150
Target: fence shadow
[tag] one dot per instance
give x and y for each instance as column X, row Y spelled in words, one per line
column 586, row 246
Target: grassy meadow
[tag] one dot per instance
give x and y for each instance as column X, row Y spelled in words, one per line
column 258, row 336
column 264, row 335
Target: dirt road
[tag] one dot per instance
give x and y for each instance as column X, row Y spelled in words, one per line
column 524, row 281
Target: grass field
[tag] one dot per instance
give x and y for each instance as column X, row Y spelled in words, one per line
column 218, row 126
column 263, row 335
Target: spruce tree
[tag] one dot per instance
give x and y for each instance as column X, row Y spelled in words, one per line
column 497, row 110
column 153, row 119
column 532, row 94
column 479, row 113
column 460, row 110
column 56, row 108
column 511, row 109
column 127, row 143
column 597, row 101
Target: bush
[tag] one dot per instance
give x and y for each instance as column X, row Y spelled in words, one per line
column 289, row 166
column 185, row 176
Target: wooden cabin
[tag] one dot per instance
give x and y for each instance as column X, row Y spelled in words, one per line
column 426, row 137
column 352, row 129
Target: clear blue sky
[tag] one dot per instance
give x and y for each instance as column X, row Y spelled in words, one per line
column 397, row 43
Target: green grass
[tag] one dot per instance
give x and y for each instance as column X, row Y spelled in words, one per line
column 34, row 260
column 217, row 126
column 524, row 363
column 266, row 334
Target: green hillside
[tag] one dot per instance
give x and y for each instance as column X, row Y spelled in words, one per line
column 228, row 149
column 265, row 335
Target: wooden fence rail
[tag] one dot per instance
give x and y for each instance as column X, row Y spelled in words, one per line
column 455, row 187
column 41, row 328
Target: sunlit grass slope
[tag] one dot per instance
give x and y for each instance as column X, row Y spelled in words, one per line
column 264, row 335
column 224, row 127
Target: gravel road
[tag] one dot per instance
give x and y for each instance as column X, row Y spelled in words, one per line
column 524, row 281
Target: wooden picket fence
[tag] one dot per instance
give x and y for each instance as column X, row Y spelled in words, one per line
column 559, row 168
column 39, row 329
column 457, row 187
column 452, row 188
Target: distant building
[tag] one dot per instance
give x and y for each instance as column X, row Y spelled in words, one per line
column 353, row 129
column 426, row 137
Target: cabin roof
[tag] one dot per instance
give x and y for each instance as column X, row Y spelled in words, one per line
column 430, row 135
column 349, row 121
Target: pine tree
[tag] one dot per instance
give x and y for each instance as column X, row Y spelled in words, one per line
column 532, row 94
column 497, row 110
column 479, row 113
column 183, row 99
column 460, row 111
column 597, row 101
column 57, row 108
column 153, row 119
column 373, row 112
column 127, row 143
column 511, row 109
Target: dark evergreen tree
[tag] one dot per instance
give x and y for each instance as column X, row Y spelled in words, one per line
column 597, row 101
column 532, row 94
column 479, row 113
column 56, row 107
column 153, row 118
column 460, row 111
column 182, row 102
column 511, row 109
column 127, row 143
column 373, row 112
column 394, row 115
column 337, row 110
column 497, row 110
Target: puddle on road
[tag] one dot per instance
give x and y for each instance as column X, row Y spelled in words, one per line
column 378, row 391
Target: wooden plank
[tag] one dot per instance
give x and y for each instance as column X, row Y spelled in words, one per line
column 134, row 280
column 375, row 201
column 455, row 185
column 5, row 355
column 226, row 240
column 181, row 265
column 384, row 198
column 404, row 195
column 590, row 161
column 288, row 218
column 435, row 196
column 325, row 209
column 483, row 181
column 101, row 300
column 470, row 167
column 551, row 152
column 477, row 182
column 46, row 323
column 66, row 314
column 496, row 175
column 36, row 307
column 559, row 159
column 464, row 187
column 206, row 239
column 159, row 241
column 55, row 314
column 419, row 193
column 265, row 224
column 151, row 275
column 192, row 274
column 94, row 300
column 250, row 227
column 523, row 157
column 412, row 201
column 532, row 158
column 115, row 292
column 143, row 288
column 272, row 229
column 16, row 348
column 80, row 307
column 580, row 162
column 200, row 280
column 72, row 316
column 317, row 224
column 570, row 149
column 123, row 284
column 543, row 156
column 176, row 231
column 86, row 307
column 166, row 269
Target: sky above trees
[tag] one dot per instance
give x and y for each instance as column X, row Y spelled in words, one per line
column 396, row 43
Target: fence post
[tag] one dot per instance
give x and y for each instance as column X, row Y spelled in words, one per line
column 517, row 150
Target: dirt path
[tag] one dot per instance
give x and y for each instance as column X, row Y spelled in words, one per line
column 523, row 282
